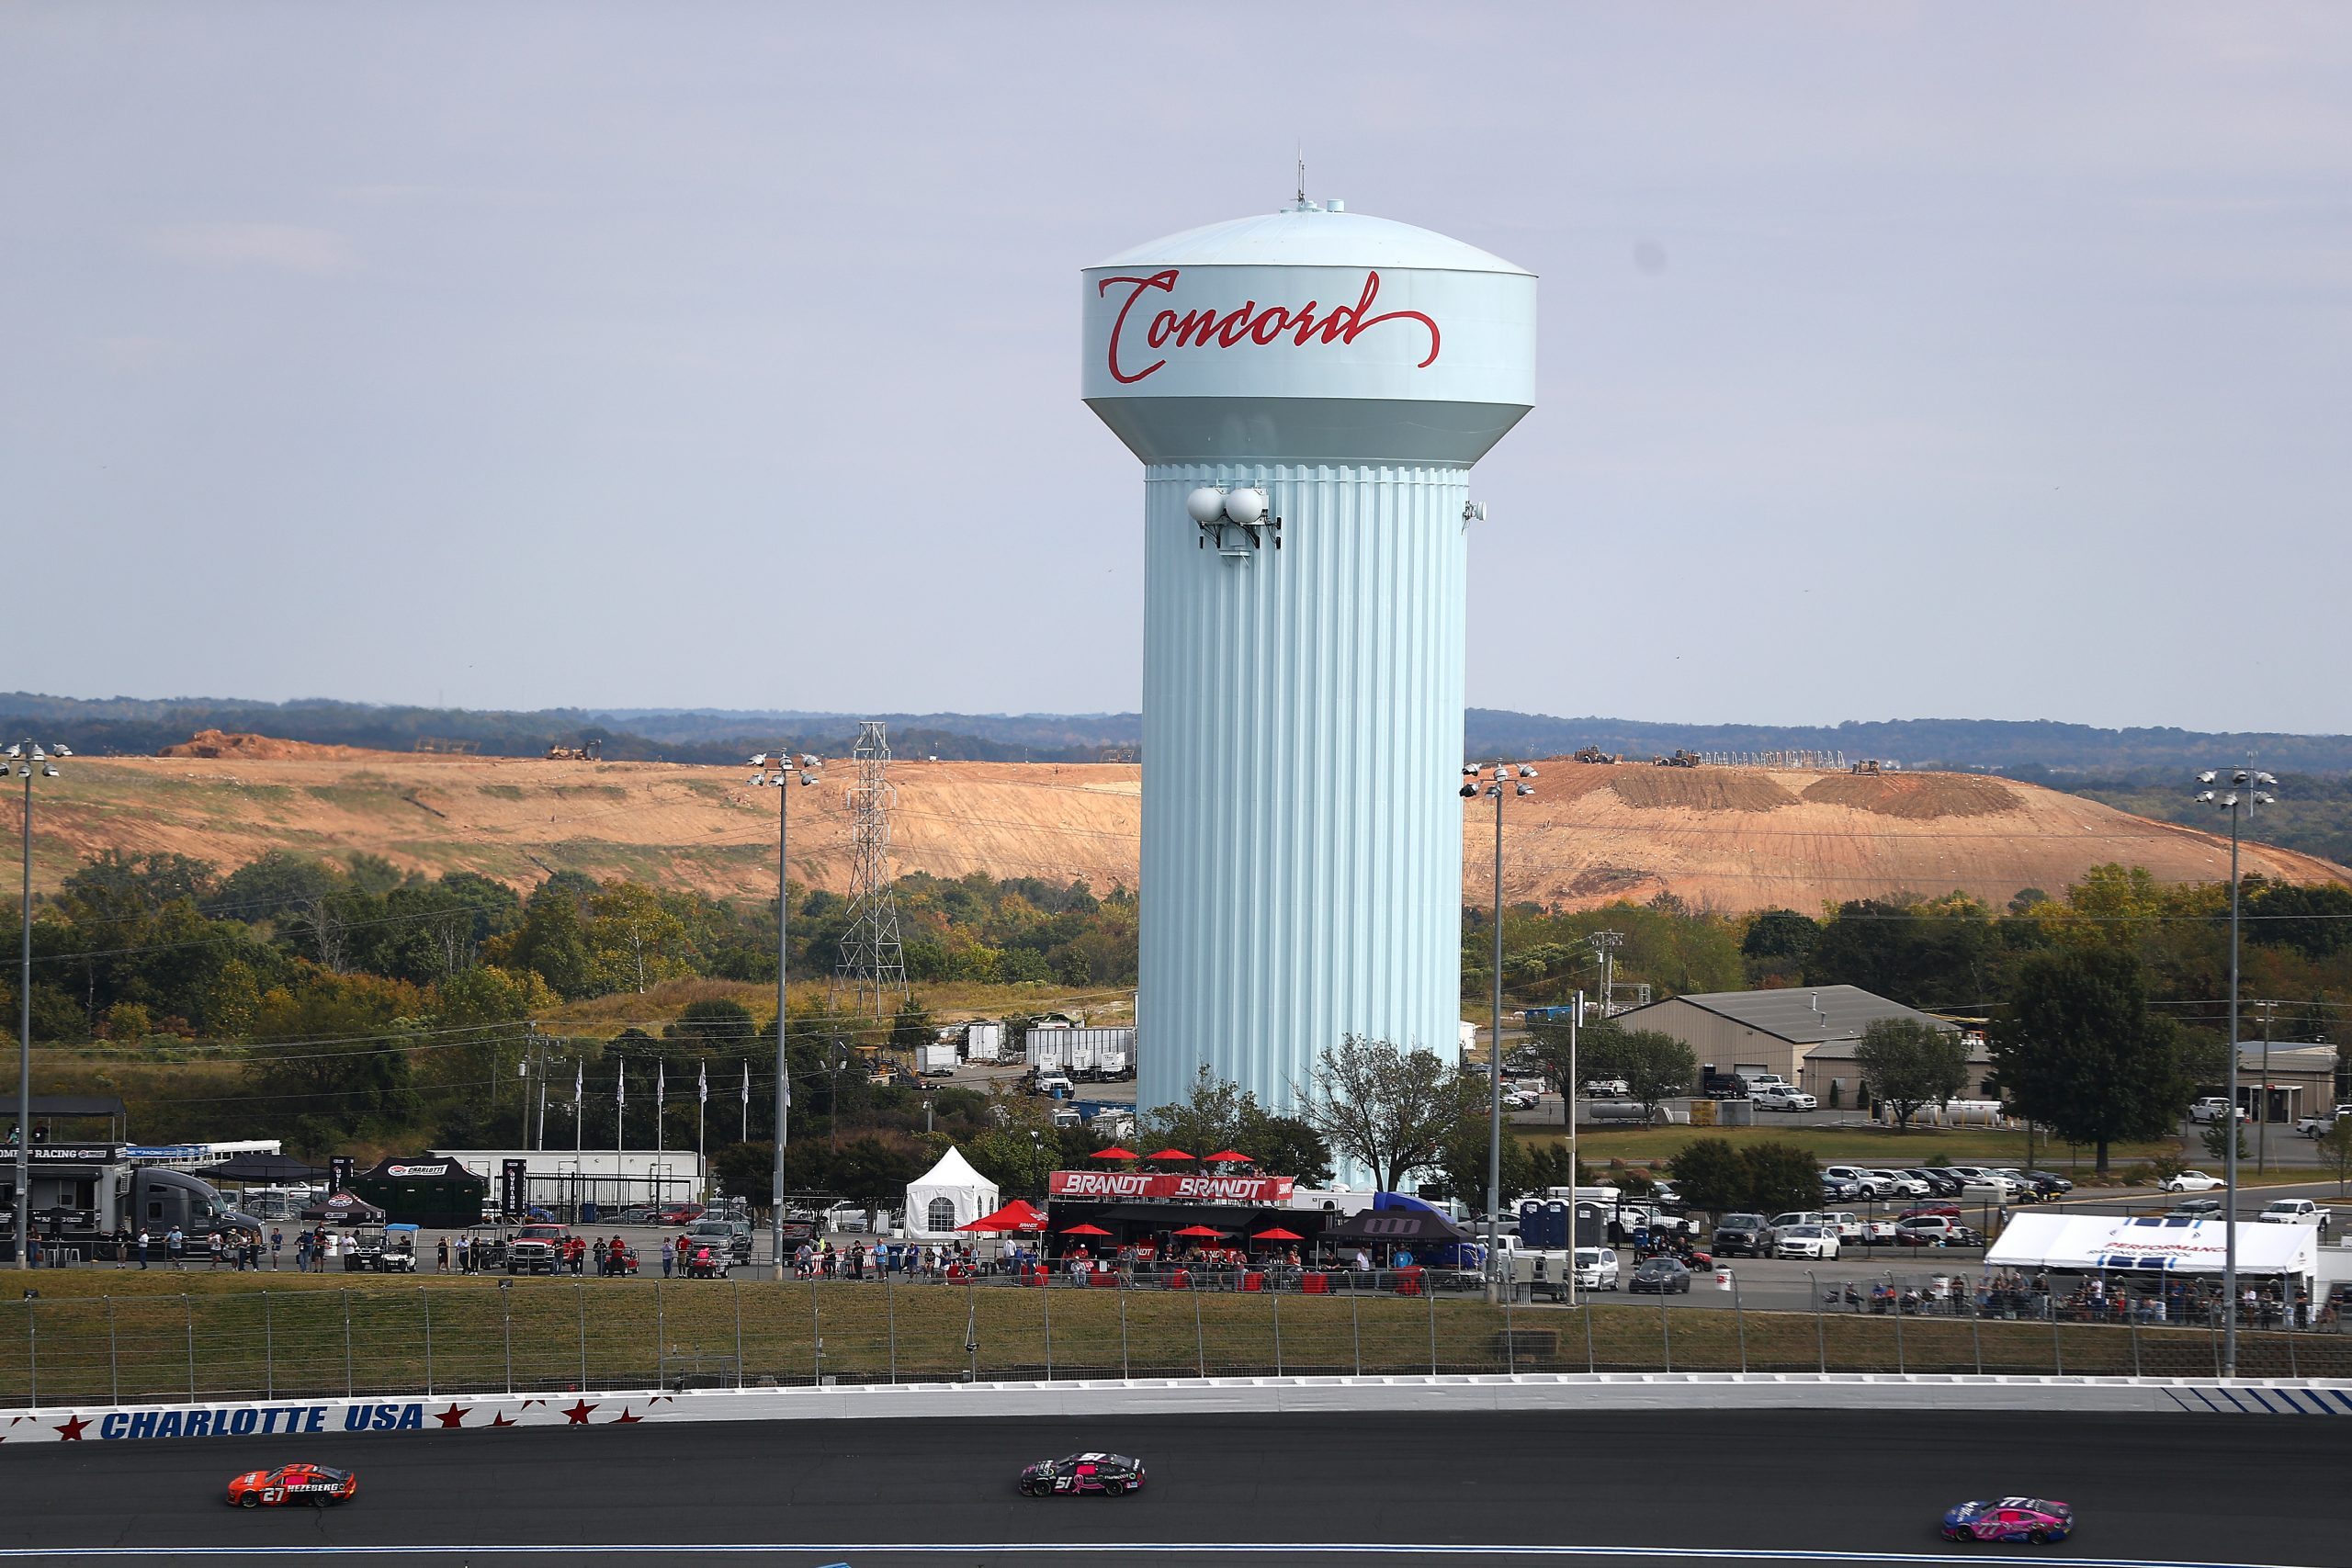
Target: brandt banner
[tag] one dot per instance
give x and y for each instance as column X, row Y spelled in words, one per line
column 1148, row 1185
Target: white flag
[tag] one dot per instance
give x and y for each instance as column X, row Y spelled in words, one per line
column 620, row 1090
column 661, row 1086
column 579, row 1083
column 702, row 1085
column 747, row 1086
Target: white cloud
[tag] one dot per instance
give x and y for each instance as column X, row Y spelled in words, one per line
column 289, row 247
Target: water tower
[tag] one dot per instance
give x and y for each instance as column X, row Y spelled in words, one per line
column 1307, row 391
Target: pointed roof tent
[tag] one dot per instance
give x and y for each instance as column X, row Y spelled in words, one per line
column 965, row 1193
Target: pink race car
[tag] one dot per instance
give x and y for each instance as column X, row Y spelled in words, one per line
column 2029, row 1520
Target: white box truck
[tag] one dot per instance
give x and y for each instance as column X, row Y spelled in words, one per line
column 983, row 1041
column 936, row 1060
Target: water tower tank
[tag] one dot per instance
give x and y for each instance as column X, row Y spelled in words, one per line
column 1307, row 391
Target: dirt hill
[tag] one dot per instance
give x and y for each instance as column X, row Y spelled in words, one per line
column 1731, row 838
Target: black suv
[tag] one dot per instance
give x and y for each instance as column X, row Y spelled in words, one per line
column 1740, row 1233
column 1940, row 1183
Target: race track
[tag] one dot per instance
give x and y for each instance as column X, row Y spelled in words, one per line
column 2222, row 1489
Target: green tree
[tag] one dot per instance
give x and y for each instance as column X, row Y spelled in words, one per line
column 2335, row 1148
column 2215, row 1136
column 1287, row 1145
column 1710, row 1176
column 1654, row 1066
column 1385, row 1107
column 1781, row 1176
column 552, row 942
column 1909, row 1062
column 910, row 1027
column 635, row 939
column 1925, row 953
column 2078, row 1049
column 1463, row 1158
column 715, row 1020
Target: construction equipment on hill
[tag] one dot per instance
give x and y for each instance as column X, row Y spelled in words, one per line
column 1680, row 759
column 1595, row 754
column 591, row 751
column 1866, row 765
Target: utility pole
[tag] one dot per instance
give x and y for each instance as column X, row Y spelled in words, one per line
column 871, row 958
column 1604, row 947
column 781, row 777
column 2245, row 791
column 1507, row 781
column 2262, row 1115
column 28, row 759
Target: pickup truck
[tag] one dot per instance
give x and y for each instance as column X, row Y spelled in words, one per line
column 2295, row 1212
column 2213, row 1107
column 2320, row 1126
column 537, row 1249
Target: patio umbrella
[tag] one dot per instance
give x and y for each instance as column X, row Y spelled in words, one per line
column 1168, row 1153
column 1201, row 1231
column 1114, row 1152
column 1226, row 1156
column 1086, row 1230
column 1277, row 1233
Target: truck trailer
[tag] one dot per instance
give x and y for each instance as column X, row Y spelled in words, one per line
column 86, row 1194
column 1085, row 1056
column 983, row 1041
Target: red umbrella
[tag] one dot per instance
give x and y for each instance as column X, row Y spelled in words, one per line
column 1199, row 1231
column 1277, row 1233
column 1228, row 1156
column 1086, row 1230
column 1114, row 1152
column 1168, row 1153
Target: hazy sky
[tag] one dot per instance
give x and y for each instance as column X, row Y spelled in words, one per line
column 1898, row 360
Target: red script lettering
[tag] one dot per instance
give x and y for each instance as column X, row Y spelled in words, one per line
column 1246, row 323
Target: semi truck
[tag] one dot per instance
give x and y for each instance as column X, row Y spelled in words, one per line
column 1082, row 1054
column 87, row 1193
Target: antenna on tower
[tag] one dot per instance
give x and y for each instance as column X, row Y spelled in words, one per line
column 871, row 959
column 1301, row 175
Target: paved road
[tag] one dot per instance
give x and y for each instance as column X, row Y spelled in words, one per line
column 2197, row 1488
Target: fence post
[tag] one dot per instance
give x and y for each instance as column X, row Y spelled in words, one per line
column 2057, row 1346
column 1428, row 1294
column 1275, row 1296
column 1589, row 1364
column 189, row 1304
column 1124, row 1373
column 889, row 1311
column 738, row 1286
column 2214, row 1335
column 1046, row 1306
column 425, row 1298
column 1894, row 1305
column 972, row 1322
column 816, row 1335
column 2133, row 1319
column 347, row 1345
column 1740, row 1318
column 1355, row 1330
column 32, row 1349
column 1820, row 1336
column 269, row 1349
column 1200, row 1346
column 580, row 1295
column 2293, row 1369
column 661, row 1340
column 1510, row 1346
column 113, row 1365
column 1976, row 1331
column 506, row 1326
column 1665, row 1334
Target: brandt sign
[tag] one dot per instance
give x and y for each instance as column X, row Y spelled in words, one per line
column 1148, row 1185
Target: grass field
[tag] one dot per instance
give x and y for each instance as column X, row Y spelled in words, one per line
column 96, row 1336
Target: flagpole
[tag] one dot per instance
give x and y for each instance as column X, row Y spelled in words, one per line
column 620, row 1110
column 579, row 1122
column 661, row 1102
column 702, row 1108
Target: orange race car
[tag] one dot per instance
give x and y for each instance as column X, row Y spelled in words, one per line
column 311, row 1484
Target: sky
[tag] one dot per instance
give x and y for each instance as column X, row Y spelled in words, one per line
column 1897, row 360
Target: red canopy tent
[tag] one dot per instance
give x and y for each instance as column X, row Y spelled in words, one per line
column 1016, row 1215
column 1086, row 1230
column 1226, row 1156
column 1203, row 1231
column 1168, row 1153
column 1276, row 1235
column 1114, row 1152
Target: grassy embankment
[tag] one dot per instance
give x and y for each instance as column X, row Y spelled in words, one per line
column 1867, row 1145
column 324, row 1335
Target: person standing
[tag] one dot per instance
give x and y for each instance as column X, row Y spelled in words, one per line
column 441, row 1257
column 142, row 1246
column 276, row 1245
column 669, row 1257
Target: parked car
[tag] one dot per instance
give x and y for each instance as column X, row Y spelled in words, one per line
column 2029, row 1191
column 732, row 1237
column 1738, row 1233
column 2213, row 1107
column 2191, row 1181
column 2050, row 1183
column 1940, row 1184
column 1897, row 1185
column 1851, row 1230
column 1934, row 1230
column 1923, row 1210
column 1805, row 1241
column 1517, row 1100
column 639, row 1214
column 1596, row 1268
column 1863, row 1183
column 2295, row 1212
column 2320, row 1126
column 680, row 1214
column 2195, row 1209
column 1781, row 1097
column 1780, row 1222
column 1659, row 1277
column 1834, row 1190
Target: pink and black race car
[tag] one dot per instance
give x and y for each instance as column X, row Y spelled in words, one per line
column 1110, row 1474
column 311, row 1484
column 2029, row 1520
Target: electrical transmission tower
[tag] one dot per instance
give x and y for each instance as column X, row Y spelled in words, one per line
column 871, row 961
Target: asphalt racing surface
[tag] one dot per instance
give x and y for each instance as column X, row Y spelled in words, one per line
column 1657, row 1486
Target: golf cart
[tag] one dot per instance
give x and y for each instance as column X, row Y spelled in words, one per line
column 382, row 1249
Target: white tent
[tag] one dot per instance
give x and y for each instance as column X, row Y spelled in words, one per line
column 2111, row 1243
column 950, row 1191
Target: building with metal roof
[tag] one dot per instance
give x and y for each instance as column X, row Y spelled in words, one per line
column 1804, row 1033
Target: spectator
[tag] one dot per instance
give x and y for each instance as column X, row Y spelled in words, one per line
column 212, row 1245
column 465, row 1255
column 142, row 1246
column 175, row 1247
column 276, row 1245
column 669, row 1257
column 600, row 1250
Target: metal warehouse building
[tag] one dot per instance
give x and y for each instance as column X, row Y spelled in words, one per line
column 1805, row 1034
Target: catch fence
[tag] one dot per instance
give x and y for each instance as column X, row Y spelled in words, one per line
column 529, row 1336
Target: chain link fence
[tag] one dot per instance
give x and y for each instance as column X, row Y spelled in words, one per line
column 564, row 1335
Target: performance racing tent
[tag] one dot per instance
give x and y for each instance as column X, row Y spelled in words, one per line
column 2089, row 1244
column 947, row 1197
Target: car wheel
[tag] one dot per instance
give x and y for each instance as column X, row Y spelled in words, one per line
column 2039, row 1538
column 249, row 1500
column 1113, row 1488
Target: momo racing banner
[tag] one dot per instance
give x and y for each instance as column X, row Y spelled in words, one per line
column 1146, row 1184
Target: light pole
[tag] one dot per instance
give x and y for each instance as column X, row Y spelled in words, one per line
column 777, row 775
column 2245, row 791
column 28, row 759
column 1504, row 773
column 1568, row 1098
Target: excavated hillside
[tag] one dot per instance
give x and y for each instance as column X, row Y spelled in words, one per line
column 1730, row 839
